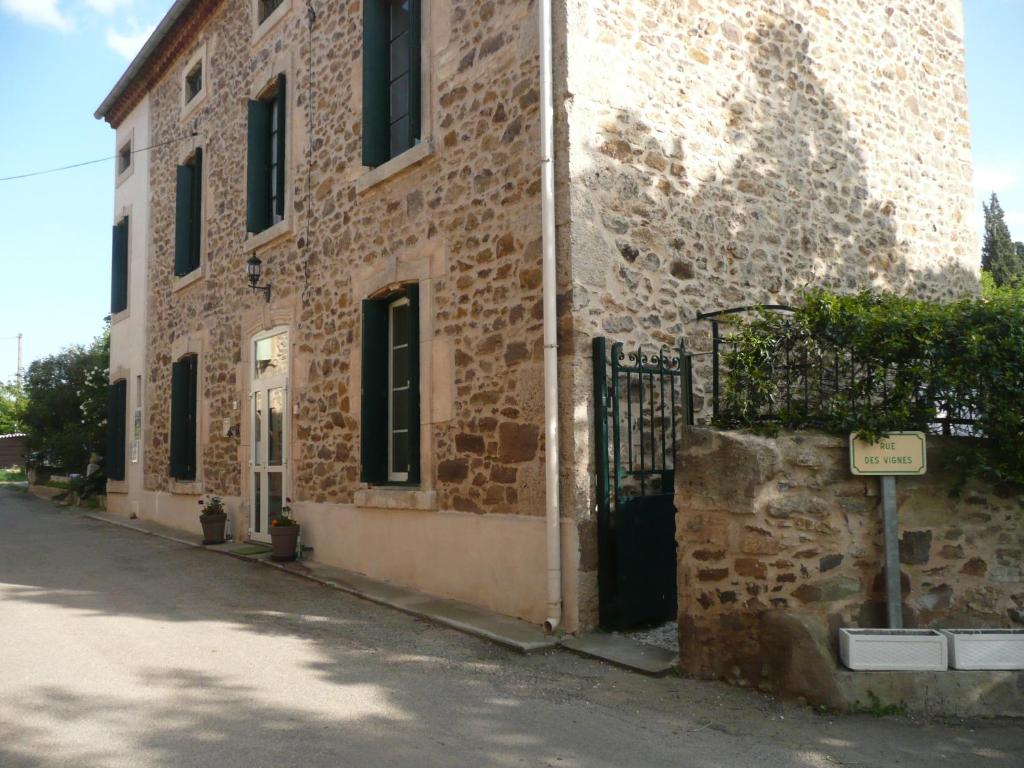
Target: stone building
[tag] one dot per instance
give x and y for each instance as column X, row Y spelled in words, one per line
column 383, row 162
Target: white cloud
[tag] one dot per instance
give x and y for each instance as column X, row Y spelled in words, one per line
column 128, row 45
column 107, row 7
column 991, row 178
column 45, row 13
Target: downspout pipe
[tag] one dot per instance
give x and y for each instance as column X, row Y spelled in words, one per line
column 550, row 288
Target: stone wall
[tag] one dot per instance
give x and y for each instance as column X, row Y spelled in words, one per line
column 725, row 153
column 465, row 221
column 779, row 546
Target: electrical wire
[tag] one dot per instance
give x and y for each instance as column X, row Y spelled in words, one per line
column 94, row 162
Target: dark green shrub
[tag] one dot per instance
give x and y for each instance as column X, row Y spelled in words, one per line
column 871, row 363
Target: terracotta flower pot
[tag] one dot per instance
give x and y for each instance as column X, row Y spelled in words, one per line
column 283, row 541
column 213, row 528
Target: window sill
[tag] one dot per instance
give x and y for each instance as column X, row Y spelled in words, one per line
column 124, row 175
column 180, row 283
column 189, row 108
column 270, row 235
column 396, row 498
column 187, row 487
column 117, row 317
column 395, row 166
column 117, row 486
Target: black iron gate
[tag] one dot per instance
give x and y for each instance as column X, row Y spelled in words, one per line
column 641, row 401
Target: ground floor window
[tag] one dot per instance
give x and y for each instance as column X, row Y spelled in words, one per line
column 390, row 424
column 184, row 397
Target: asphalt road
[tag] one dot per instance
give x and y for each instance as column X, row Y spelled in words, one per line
column 119, row 649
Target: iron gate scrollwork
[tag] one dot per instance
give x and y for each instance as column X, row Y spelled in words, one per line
column 641, row 400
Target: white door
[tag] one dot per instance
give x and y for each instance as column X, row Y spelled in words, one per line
column 269, row 411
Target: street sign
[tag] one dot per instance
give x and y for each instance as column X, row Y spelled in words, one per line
column 898, row 453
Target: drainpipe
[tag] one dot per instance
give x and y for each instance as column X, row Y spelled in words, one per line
column 550, row 287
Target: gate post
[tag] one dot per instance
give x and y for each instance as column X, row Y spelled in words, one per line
column 605, row 584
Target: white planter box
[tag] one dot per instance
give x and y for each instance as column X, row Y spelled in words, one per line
column 985, row 648
column 922, row 650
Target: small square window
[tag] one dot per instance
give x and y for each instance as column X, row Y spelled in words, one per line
column 267, row 7
column 194, row 82
column 124, row 158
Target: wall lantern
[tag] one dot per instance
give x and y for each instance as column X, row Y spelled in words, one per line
column 254, row 269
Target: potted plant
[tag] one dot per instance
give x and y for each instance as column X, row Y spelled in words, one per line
column 213, row 519
column 284, row 534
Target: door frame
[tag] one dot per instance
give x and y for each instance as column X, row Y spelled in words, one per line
column 265, row 385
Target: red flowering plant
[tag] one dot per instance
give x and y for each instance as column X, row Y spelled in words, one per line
column 285, row 517
column 212, row 506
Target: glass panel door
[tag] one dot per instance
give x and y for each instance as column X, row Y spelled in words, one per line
column 269, row 458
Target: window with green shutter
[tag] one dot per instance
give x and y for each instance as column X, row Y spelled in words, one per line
column 390, row 399
column 119, row 268
column 184, row 401
column 266, row 177
column 117, row 421
column 391, row 78
column 188, row 225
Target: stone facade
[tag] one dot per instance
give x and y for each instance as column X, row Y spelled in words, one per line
column 736, row 152
column 722, row 153
column 779, row 546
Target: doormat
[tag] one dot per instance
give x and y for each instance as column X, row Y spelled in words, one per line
column 251, row 550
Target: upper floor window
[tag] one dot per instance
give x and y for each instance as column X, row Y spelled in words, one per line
column 265, row 8
column 194, row 81
column 124, row 157
column 266, row 166
column 119, row 268
column 188, row 224
column 391, row 78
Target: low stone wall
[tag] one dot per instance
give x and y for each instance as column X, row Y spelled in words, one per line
column 779, row 546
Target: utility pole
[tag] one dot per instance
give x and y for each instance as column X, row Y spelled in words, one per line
column 21, row 368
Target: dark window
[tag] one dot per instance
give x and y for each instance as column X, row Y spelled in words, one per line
column 188, row 224
column 266, row 167
column 117, row 421
column 194, row 82
column 390, row 418
column 184, row 396
column 391, row 78
column 124, row 158
column 267, row 7
column 119, row 268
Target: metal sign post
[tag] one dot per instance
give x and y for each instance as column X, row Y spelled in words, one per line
column 891, row 528
column 898, row 453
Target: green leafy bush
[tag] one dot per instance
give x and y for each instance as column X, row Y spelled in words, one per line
column 871, row 363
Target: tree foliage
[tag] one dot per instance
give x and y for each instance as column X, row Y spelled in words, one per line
column 1000, row 256
column 12, row 408
column 871, row 364
column 65, row 414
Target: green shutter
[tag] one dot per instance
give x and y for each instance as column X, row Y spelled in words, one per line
column 192, row 406
column 376, row 131
column 282, row 113
column 183, row 221
column 179, row 405
column 415, row 62
column 117, row 396
column 119, row 267
column 373, row 426
column 412, row 292
column 257, row 188
column 196, row 214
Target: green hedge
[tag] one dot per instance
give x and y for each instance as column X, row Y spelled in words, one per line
column 872, row 363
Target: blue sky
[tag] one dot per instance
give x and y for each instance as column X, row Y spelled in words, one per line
column 63, row 56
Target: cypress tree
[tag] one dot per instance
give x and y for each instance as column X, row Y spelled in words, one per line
column 1000, row 256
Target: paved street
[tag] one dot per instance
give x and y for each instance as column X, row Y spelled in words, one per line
column 119, row 649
